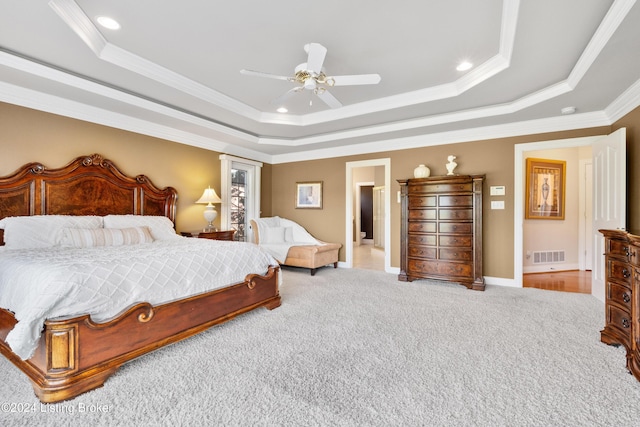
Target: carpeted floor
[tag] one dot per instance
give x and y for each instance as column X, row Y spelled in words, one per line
column 359, row 348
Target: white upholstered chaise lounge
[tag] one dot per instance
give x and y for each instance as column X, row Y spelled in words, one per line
column 291, row 245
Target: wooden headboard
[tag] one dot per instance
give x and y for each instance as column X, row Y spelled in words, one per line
column 89, row 185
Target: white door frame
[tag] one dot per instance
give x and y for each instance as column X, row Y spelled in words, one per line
column 349, row 216
column 252, row 208
column 518, row 206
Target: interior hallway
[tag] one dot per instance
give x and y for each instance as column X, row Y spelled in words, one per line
column 578, row 281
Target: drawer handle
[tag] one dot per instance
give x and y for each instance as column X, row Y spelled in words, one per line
column 625, row 273
column 626, row 250
column 625, row 297
column 625, row 323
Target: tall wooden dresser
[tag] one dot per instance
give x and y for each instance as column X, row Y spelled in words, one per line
column 441, row 229
column 622, row 295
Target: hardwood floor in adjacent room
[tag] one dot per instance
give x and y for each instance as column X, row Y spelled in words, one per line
column 578, row 281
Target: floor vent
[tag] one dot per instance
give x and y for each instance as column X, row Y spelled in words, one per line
column 546, row 257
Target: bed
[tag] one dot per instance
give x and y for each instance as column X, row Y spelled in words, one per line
column 75, row 353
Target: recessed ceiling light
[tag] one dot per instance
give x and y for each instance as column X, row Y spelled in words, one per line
column 464, row 66
column 108, row 23
column 568, row 110
column 282, row 110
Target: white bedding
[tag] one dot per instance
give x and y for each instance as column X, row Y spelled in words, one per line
column 103, row 281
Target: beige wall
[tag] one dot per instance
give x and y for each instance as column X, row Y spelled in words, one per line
column 494, row 158
column 632, row 122
column 32, row 136
column 27, row 135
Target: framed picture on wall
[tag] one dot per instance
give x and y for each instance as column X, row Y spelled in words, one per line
column 545, row 189
column 309, row 195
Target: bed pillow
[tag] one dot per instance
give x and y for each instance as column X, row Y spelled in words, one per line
column 90, row 237
column 272, row 235
column 42, row 231
column 161, row 227
column 288, row 234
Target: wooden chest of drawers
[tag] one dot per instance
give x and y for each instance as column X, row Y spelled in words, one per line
column 622, row 295
column 441, row 229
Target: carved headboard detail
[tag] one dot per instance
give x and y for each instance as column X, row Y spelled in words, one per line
column 89, row 185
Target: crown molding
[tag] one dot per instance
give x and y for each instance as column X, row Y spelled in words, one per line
column 531, row 127
column 625, row 103
column 612, row 20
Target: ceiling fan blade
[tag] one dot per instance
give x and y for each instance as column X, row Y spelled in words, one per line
column 261, row 74
column 358, row 79
column 282, row 98
column 328, row 99
column 316, row 52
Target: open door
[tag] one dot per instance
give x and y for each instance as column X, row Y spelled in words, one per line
column 609, row 198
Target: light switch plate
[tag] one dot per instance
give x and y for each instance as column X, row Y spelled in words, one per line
column 497, row 204
column 497, row 190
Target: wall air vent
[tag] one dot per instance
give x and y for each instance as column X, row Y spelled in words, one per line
column 548, row 257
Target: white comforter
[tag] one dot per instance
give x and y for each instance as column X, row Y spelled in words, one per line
column 103, row 281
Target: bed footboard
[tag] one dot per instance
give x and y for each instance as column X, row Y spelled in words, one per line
column 77, row 355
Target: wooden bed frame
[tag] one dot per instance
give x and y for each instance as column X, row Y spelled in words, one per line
column 76, row 355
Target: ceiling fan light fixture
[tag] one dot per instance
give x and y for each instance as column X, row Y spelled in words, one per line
column 464, row 66
column 310, row 84
column 108, row 23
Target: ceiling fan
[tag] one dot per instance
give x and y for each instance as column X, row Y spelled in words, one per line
column 311, row 76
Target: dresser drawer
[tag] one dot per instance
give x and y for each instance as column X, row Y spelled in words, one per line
column 456, row 255
column 618, row 294
column 619, row 271
column 435, row 268
column 423, row 202
column 453, row 201
column 423, row 252
column 618, row 318
column 617, row 248
column 455, row 227
column 456, row 241
column 422, row 227
column 422, row 239
column 446, row 214
column 420, row 214
column 441, row 188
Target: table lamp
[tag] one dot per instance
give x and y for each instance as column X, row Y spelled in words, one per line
column 210, row 197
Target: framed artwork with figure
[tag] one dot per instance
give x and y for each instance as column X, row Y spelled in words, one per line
column 545, row 189
column 309, row 195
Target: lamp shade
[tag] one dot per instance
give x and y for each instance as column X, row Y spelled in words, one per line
column 209, row 196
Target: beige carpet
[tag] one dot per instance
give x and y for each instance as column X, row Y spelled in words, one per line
column 359, row 348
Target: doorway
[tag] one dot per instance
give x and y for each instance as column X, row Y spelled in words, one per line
column 378, row 175
column 609, row 175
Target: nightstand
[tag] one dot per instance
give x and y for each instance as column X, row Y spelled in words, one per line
column 213, row 235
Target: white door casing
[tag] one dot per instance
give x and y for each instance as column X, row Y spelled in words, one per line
column 349, row 214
